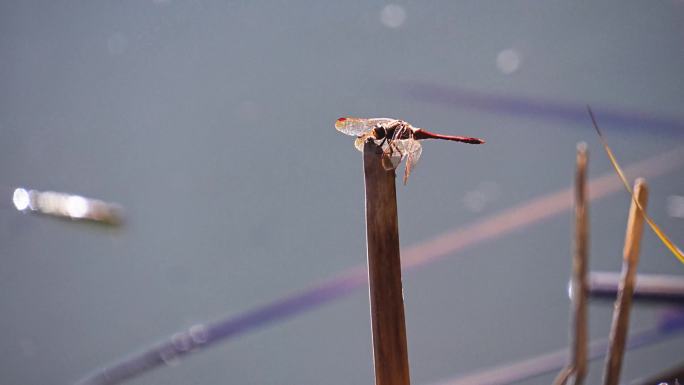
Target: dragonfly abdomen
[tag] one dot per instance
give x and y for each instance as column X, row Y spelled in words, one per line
column 421, row 134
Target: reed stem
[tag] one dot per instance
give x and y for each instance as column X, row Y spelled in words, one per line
column 390, row 352
column 623, row 303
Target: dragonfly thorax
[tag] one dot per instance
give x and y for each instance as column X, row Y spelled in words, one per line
column 395, row 130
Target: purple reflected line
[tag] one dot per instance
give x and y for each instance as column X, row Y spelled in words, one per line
column 199, row 337
column 670, row 323
column 539, row 108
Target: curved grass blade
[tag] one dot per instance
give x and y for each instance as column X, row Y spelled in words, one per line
column 676, row 251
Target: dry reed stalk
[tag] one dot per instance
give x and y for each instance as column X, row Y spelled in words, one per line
column 390, row 352
column 577, row 368
column 580, row 263
column 623, row 303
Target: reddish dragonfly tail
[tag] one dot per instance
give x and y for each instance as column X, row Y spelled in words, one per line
column 422, row 134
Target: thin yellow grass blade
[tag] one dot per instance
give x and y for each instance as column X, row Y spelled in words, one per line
column 663, row 238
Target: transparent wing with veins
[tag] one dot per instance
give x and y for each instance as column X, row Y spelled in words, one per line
column 394, row 149
column 410, row 150
column 398, row 139
column 359, row 126
column 392, row 156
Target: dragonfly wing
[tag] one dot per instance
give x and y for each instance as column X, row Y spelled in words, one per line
column 359, row 126
column 392, row 156
column 391, row 161
column 413, row 150
column 360, row 142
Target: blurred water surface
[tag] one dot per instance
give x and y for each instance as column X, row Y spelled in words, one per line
column 212, row 124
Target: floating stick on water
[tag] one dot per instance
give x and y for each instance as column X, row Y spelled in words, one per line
column 68, row 206
column 656, row 288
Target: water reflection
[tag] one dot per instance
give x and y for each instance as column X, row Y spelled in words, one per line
column 508, row 61
column 393, row 16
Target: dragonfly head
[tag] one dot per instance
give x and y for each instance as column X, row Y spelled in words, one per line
column 379, row 132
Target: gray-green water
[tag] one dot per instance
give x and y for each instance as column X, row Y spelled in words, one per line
column 211, row 122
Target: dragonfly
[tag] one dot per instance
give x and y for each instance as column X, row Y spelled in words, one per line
column 398, row 139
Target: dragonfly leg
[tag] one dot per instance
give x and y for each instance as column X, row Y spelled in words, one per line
column 390, row 161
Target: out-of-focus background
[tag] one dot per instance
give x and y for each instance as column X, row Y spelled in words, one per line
column 211, row 122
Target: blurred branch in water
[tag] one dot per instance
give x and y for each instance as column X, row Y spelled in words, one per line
column 516, row 218
column 670, row 323
column 539, row 108
column 654, row 288
column 67, row 206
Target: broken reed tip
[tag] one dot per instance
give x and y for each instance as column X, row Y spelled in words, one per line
column 581, row 146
